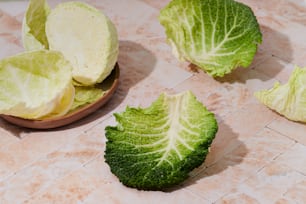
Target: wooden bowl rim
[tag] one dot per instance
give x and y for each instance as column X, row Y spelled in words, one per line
column 70, row 117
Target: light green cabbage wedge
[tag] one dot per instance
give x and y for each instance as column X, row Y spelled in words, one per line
column 216, row 35
column 35, row 85
column 33, row 25
column 86, row 37
column 156, row 147
column 288, row 99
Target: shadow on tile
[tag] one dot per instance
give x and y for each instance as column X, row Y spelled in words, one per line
column 226, row 151
column 275, row 44
column 12, row 129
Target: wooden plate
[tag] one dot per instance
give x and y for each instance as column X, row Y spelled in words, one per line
column 110, row 84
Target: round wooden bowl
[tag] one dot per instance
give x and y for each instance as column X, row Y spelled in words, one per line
column 110, row 84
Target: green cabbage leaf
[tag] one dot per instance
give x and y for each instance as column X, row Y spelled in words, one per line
column 33, row 25
column 288, row 99
column 156, row 147
column 36, row 85
column 216, row 35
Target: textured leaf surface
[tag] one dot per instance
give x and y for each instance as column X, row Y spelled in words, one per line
column 288, row 99
column 156, row 147
column 33, row 26
column 216, row 35
column 35, row 84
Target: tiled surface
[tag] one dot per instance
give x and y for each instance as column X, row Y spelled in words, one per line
column 257, row 157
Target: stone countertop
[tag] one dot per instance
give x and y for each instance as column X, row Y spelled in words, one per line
column 257, row 156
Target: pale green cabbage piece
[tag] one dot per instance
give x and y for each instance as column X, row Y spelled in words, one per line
column 86, row 37
column 33, row 25
column 216, row 35
column 85, row 95
column 156, row 147
column 36, row 85
column 288, row 99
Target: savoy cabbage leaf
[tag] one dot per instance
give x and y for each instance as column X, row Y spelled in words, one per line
column 216, row 35
column 156, row 147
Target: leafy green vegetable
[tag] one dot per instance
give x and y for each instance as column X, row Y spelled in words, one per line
column 85, row 95
column 86, row 37
column 216, row 35
column 33, row 25
column 36, row 85
column 288, row 99
column 156, row 147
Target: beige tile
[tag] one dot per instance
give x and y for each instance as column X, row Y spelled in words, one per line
column 35, row 145
column 238, row 165
column 10, row 34
column 277, row 143
column 225, row 95
column 55, row 165
column 95, row 183
column 225, row 141
column 251, row 79
column 18, row 155
column 112, row 191
column 200, row 84
column 139, row 61
column 267, row 186
column 162, row 50
column 293, row 158
column 259, row 58
column 255, row 158
column 276, row 68
column 238, row 198
column 13, row 8
column 71, row 189
column 143, row 95
column 7, row 138
column 139, row 65
column 131, row 25
column 282, row 38
column 151, row 30
column 293, row 130
column 293, row 10
column 218, row 98
column 117, row 193
column 10, row 45
column 210, row 186
column 284, row 201
column 158, row 4
column 162, row 74
column 238, row 127
column 9, row 24
column 296, row 194
column 12, row 130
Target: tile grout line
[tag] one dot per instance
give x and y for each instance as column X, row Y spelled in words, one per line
column 83, row 165
column 63, row 176
column 31, row 163
column 44, row 156
column 195, row 194
column 11, row 176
